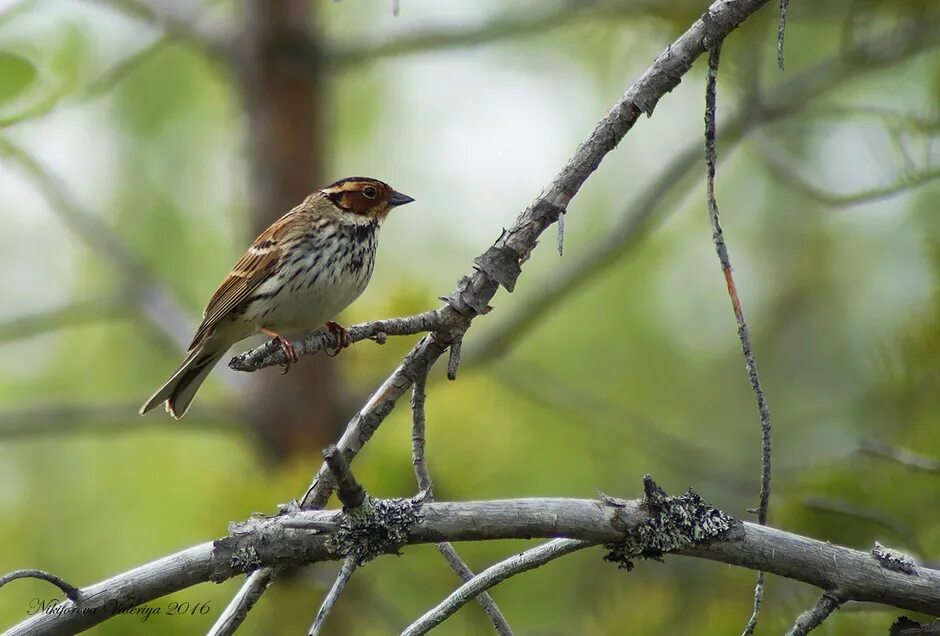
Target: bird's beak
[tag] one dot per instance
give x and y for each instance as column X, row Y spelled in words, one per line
column 397, row 198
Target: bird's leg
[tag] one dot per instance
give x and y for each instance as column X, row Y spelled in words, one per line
column 342, row 336
column 286, row 347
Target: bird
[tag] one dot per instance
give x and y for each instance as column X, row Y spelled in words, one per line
column 299, row 273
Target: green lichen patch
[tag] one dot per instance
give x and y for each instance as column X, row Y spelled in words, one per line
column 674, row 523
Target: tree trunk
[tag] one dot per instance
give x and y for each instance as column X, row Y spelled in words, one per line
column 282, row 82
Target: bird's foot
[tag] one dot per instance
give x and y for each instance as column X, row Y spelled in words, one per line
column 342, row 336
column 290, row 354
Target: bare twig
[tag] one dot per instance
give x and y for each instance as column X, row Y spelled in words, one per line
column 213, row 34
column 781, row 170
column 781, row 30
column 28, row 422
column 423, row 475
column 272, row 354
column 237, row 610
column 491, row 576
column 898, row 528
column 72, row 592
column 345, row 573
column 813, row 618
column 453, row 360
column 502, row 27
column 900, row 455
column 711, row 159
column 73, row 314
column 272, row 542
column 350, row 493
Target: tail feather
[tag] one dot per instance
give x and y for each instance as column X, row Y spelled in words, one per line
column 180, row 389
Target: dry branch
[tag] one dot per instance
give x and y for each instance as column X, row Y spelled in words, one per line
column 275, row 542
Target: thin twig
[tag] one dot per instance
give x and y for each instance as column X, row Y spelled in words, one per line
column 345, row 573
column 213, row 35
column 900, row 455
column 38, row 420
column 423, row 475
column 77, row 313
column 491, row 576
column 502, row 27
column 349, row 491
column 781, row 29
column 813, row 618
column 453, row 360
column 272, row 354
column 237, row 610
column 72, row 592
column 711, row 159
column 837, row 506
column 780, row 169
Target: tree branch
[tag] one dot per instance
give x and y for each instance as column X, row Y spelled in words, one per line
column 345, row 573
column 76, row 313
column 813, row 618
column 276, row 542
column 423, row 476
column 744, row 333
column 785, row 100
column 901, row 456
column 496, row 29
column 179, row 19
column 490, row 577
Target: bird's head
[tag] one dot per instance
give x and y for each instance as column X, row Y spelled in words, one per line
column 368, row 199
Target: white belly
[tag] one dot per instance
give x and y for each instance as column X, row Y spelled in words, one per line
column 314, row 291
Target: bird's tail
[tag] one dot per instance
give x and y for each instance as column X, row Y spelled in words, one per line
column 180, row 389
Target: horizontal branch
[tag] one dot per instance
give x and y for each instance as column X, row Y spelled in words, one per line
column 272, row 354
column 499, row 28
column 277, row 541
column 183, row 20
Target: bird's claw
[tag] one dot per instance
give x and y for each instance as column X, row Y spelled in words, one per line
column 341, row 335
column 290, row 354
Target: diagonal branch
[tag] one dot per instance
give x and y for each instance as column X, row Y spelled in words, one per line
column 490, row 577
column 423, row 475
column 72, row 314
column 184, row 20
column 786, row 100
column 813, row 618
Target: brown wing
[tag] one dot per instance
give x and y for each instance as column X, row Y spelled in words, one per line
column 254, row 267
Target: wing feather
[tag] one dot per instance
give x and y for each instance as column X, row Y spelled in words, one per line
column 252, row 269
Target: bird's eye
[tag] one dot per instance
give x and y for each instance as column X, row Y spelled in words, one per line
column 369, row 192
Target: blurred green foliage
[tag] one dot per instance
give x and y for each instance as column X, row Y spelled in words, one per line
column 637, row 372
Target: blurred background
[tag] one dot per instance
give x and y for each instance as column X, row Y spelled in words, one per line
column 144, row 144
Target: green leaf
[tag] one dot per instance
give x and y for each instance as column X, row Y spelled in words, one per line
column 16, row 75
